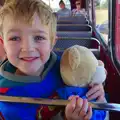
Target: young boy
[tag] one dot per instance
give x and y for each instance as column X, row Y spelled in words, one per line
column 28, row 30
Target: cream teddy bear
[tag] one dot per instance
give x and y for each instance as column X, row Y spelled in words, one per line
column 79, row 67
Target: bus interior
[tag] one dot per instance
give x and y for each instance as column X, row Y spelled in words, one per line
column 84, row 31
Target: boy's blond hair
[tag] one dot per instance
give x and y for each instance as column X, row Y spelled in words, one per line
column 25, row 9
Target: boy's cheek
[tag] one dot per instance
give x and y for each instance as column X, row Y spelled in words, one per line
column 2, row 52
column 1, row 45
column 1, row 41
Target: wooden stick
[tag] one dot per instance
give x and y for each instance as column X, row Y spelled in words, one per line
column 34, row 100
column 58, row 102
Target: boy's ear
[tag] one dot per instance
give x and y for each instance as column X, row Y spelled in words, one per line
column 56, row 38
column 54, row 41
column 2, row 50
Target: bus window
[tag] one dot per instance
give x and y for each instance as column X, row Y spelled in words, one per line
column 54, row 4
column 102, row 18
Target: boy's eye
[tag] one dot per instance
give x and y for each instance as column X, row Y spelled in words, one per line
column 37, row 38
column 15, row 38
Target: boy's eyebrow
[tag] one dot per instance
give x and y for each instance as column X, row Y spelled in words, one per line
column 39, row 31
column 33, row 31
column 13, row 30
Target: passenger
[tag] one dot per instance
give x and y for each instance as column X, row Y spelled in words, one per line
column 28, row 30
column 79, row 11
column 63, row 10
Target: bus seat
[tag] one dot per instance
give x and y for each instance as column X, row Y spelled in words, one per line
column 73, row 27
column 64, row 43
column 83, row 34
column 72, row 22
column 72, row 18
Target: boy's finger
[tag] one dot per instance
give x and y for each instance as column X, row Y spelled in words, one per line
column 84, row 108
column 91, row 84
column 105, row 71
column 95, row 95
column 101, row 99
column 70, row 98
column 70, row 107
column 100, row 63
column 79, row 104
column 93, row 90
column 89, row 113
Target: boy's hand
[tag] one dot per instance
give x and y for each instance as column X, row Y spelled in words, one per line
column 78, row 109
column 96, row 92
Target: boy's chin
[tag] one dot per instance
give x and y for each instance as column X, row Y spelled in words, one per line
column 34, row 71
column 28, row 73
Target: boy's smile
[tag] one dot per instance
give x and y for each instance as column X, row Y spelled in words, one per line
column 27, row 46
column 29, row 59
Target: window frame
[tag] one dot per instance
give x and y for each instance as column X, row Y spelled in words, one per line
column 113, row 34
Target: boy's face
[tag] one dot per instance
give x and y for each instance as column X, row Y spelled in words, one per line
column 27, row 46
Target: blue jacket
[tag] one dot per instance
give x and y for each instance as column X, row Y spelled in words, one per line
column 35, row 87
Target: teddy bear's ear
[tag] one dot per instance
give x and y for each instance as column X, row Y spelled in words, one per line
column 74, row 58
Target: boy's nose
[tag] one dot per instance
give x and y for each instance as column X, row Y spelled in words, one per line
column 28, row 45
column 28, row 50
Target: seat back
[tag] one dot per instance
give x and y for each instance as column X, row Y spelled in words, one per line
column 72, row 22
column 73, row 27
column 82, row 34
column 64, row 43
column 72, row 18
